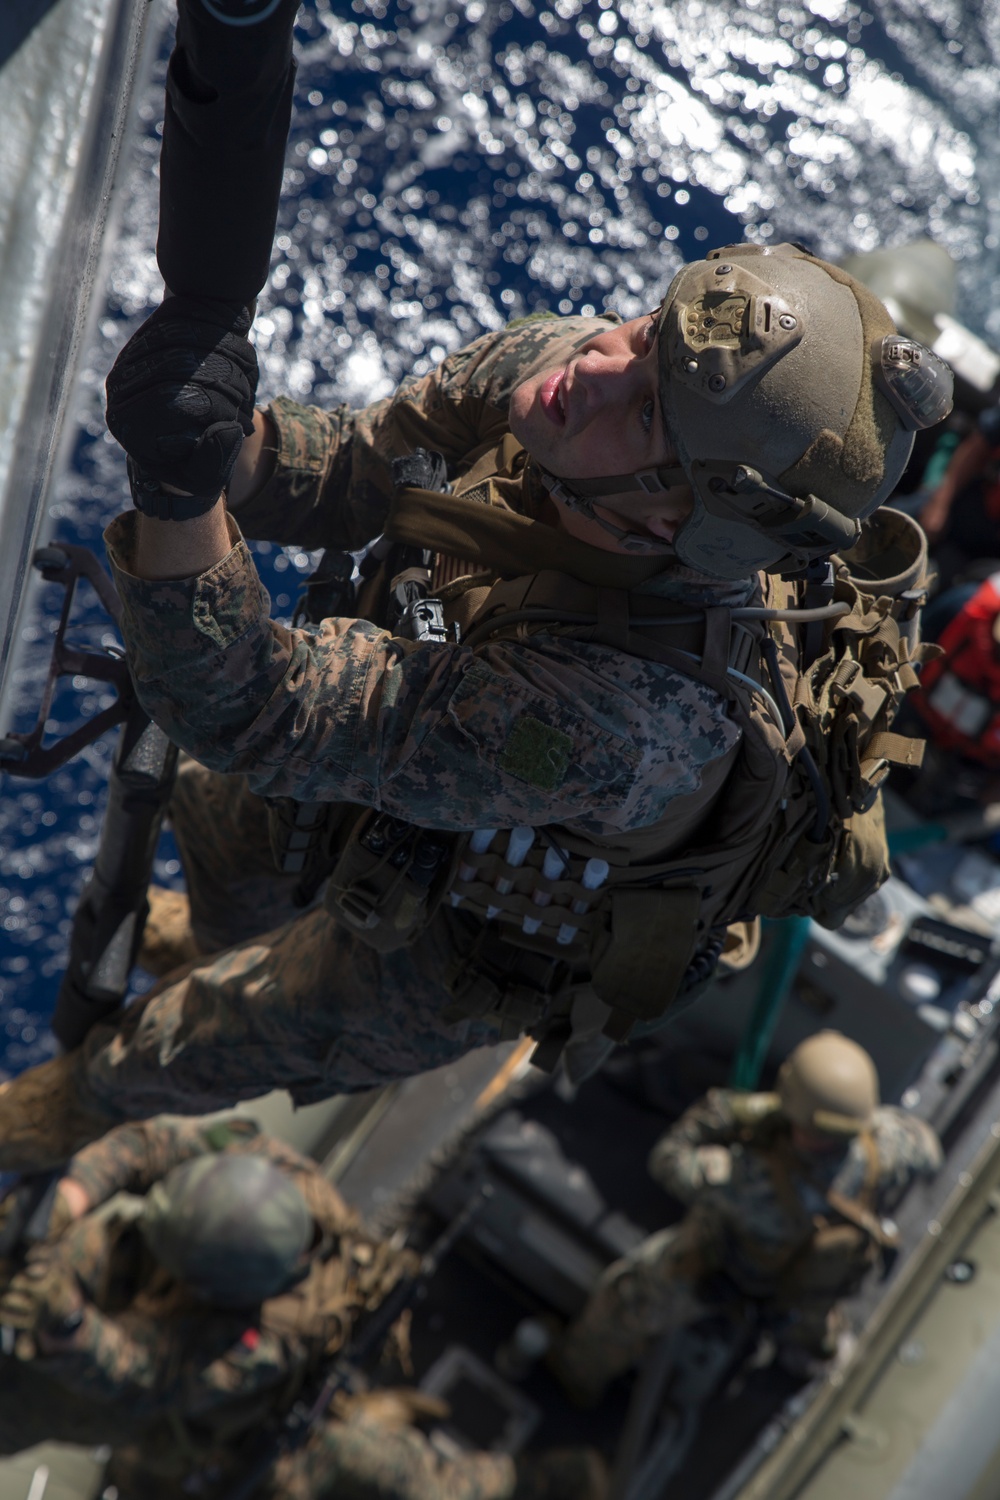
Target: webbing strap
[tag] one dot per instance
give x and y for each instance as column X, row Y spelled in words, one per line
column 612, row 618
column 867, row 695
column 908, row 678
column 869, row 1146
column 494, row 537
column 489, row 460
column 653, row 934
column 606, row 613
column 643, row 483
column 863, row 1219
column 899, row 749
column 859, row 1211
column 716, row 653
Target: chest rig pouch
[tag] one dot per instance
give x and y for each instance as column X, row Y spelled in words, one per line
column 389, row 879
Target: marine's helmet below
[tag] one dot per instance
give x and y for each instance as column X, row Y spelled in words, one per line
column 234, row 1229
column 829, row 1084
column 791, row 401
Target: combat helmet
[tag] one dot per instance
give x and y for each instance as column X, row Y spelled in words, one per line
column 829, row 1084
column 791, row 401
column 234, row 1229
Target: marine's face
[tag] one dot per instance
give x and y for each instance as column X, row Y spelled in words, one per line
column 599, row 413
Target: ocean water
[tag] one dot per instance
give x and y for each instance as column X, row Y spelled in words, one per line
column 454, row 165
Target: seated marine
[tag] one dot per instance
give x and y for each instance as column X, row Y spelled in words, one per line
column 786, row 1195
column 192, row 1278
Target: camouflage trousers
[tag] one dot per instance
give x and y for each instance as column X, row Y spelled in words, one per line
column 298, row 1002
column 345, row 1460
column 350, row 1460
column 662, row 1285
column 645, row 1294
column 362, row 1460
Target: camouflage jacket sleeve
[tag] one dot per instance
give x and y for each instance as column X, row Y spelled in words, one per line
column 331, row 483
column 132, row 1157
column 546, row 731
column 907, row 1148
column 693, row 1155
column 110, row 1363
column 189, row 1366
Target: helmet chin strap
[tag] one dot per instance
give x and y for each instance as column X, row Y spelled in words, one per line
column 580, row 495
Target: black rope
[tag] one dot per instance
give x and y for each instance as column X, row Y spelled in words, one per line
column 818, row 832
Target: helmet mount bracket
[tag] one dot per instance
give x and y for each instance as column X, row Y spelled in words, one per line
column 729, row 333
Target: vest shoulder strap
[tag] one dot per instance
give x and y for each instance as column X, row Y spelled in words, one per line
column 859, row 1211
column 492, row 536
column 699, row 641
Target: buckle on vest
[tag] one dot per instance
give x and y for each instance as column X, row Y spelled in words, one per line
column 867, row 697
column 359, row 907
column 873, row 773
column 558, row 490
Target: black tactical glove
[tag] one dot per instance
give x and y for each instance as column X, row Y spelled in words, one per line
column 181, row 400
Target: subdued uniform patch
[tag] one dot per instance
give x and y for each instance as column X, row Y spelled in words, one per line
column 537, row 753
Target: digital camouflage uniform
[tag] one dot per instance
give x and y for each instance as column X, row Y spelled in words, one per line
column 360, row 1459
column 346, row 712
column 169, row 1381
column 752, row 1206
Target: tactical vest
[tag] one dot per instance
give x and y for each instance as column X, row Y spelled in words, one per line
column 959, row 695
column 789, row 822
column 843, row 1245
column 826, row 1255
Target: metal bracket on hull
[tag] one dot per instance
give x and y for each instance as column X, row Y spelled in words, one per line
column 24, row 754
